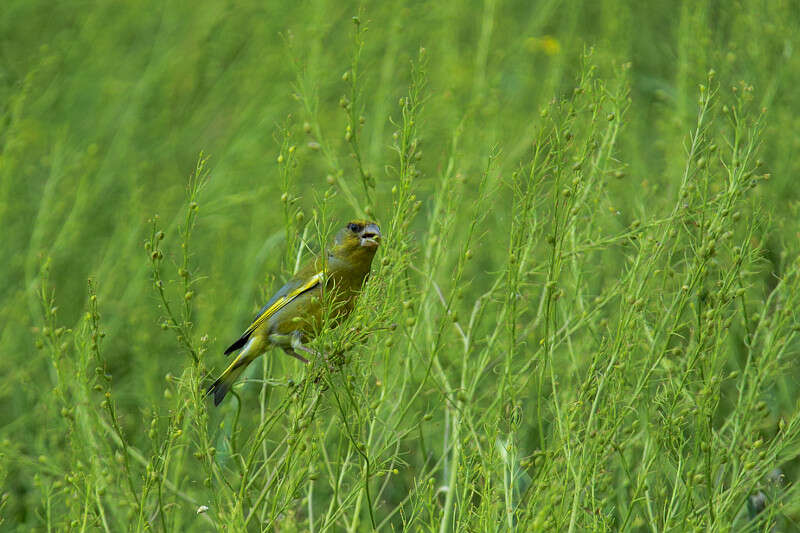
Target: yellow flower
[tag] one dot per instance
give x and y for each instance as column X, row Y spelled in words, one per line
column 547, row 44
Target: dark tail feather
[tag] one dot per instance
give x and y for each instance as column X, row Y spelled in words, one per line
column 226, row 380
column 241, row 341
column 219, row 389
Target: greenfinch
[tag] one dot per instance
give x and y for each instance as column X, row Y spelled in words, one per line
column 293, row 315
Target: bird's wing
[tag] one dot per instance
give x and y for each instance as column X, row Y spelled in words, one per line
column 286, row 294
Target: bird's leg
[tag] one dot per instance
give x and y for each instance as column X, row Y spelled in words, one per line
column 290, row 351
column 286, row 342
column 297, row 345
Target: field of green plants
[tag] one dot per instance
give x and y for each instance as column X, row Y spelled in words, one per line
column 584, row 314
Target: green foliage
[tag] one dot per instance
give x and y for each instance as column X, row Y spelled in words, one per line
column 582, row 316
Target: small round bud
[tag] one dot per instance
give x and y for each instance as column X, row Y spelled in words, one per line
column 306, row 127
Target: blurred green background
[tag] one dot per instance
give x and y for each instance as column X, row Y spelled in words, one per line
column 104, row 107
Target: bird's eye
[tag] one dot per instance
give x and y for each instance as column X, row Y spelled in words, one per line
column 355, row 228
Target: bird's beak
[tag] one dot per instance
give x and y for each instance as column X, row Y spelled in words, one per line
column 371, row 236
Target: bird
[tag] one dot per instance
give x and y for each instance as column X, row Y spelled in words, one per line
column 295, row 312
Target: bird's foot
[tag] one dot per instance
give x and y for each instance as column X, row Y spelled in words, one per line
column 298, row 346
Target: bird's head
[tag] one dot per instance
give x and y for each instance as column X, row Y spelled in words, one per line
column 359, row 239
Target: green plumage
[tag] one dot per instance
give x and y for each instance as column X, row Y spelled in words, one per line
column 295, row 312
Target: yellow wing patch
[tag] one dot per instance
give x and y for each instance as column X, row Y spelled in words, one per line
column 282, row 301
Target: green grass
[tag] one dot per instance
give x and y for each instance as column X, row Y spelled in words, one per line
column 583, row 315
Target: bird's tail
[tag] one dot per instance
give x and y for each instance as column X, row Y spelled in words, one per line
column 226, row 380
